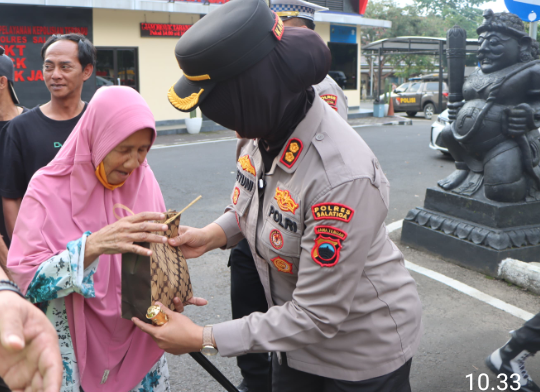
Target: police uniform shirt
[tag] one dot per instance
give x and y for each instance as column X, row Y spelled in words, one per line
column 333, row 95
column 342, row 304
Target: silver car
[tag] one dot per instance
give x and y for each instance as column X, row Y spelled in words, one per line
column 436, row 142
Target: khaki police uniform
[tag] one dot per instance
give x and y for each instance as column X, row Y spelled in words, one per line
column 342, row 304
column 333, row 95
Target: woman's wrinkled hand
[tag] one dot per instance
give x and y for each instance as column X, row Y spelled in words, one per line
column 196, row 242
column 120, row 236
column 29, row 351
column 179, row 336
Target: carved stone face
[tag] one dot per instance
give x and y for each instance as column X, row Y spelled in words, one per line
column 497, row 51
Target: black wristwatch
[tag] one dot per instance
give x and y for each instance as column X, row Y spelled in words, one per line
column 8, row 285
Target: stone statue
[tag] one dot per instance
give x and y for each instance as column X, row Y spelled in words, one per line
column 494, row 136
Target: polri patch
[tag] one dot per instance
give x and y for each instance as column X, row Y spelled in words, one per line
column 330, row 99
column 286, row 223
column 276, row 239
column 246, row 164
column 236, row 195
column 278, row 27
column 335, row 211
column 282, row 265
column 285, row 201
column 328, row 245
column 292, row 152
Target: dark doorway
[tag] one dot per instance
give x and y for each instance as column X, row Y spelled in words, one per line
column 117, row 66
column 344, row 61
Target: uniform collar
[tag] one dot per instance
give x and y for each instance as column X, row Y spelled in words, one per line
column 298, row 143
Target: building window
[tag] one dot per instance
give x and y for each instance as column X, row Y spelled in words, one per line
column 344, row 64
column 117, row 66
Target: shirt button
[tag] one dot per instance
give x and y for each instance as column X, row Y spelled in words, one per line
column 319, row 137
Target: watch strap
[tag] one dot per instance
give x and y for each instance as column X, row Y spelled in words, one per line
column 8, row 285
column 207, row 336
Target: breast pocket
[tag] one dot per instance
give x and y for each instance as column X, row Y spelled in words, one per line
column 281, row 232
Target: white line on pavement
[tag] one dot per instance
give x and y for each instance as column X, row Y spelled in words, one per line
column 161, row 146
column 462, row 287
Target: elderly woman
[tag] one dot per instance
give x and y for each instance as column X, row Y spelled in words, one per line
column 67, row 244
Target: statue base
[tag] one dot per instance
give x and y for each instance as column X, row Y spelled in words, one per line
column 474, row 233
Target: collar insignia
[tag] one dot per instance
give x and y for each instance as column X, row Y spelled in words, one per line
column 292, row 152
column 285, row 201
column 282, row 265
column 246, row 164
column 278, row 28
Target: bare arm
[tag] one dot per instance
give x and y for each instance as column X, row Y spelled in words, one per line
column 11, row 210
column 3, row 251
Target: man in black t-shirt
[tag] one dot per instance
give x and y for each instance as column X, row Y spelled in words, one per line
column 32, row 140
column 8, row 111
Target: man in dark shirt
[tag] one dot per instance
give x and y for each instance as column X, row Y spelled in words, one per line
column 8, row 111
column 32, row 140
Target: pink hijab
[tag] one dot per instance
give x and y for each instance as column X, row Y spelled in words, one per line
column 65, row 199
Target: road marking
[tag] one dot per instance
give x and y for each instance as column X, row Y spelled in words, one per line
column 161, row 146
column 462, row 287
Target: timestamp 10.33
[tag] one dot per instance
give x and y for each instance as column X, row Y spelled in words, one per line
column 504, row 383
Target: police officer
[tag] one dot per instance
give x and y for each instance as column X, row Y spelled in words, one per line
column 247, row 293
column 299, row 13
column 310, row 198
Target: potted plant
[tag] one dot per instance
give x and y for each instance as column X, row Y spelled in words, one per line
column 193, row 123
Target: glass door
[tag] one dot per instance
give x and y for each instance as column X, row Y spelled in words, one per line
column 117, row 66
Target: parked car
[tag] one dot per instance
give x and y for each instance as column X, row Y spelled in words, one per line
column 436, row 142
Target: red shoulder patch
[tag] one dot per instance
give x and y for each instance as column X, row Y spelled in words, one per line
column 335, row 211
column 330, row 99
column 292, row 152
column 328, row 245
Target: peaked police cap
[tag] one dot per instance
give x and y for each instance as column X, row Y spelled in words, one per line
column 222, row 45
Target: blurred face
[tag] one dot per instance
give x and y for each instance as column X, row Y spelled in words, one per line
column 127, row 156
column 497, row 51
column 62, row 71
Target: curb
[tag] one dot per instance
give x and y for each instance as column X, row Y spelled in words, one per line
column 526, row 275
column 398, row 122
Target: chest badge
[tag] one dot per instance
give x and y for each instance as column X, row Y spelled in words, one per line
column 292, row 152
column 328, row 244
column 236, row 195
column 282, row 265
column 285, row 201
column 246, row 164
column 276, row 239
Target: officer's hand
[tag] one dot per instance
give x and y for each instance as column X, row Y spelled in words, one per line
column 29, row 351
column 520, row 120
column 196, row 242
column 179, row 306
column 179, row 336
column 453, row 110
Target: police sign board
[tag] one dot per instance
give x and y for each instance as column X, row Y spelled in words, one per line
column 527, row 10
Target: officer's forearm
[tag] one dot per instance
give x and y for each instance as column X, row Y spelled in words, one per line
column 215, row 236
